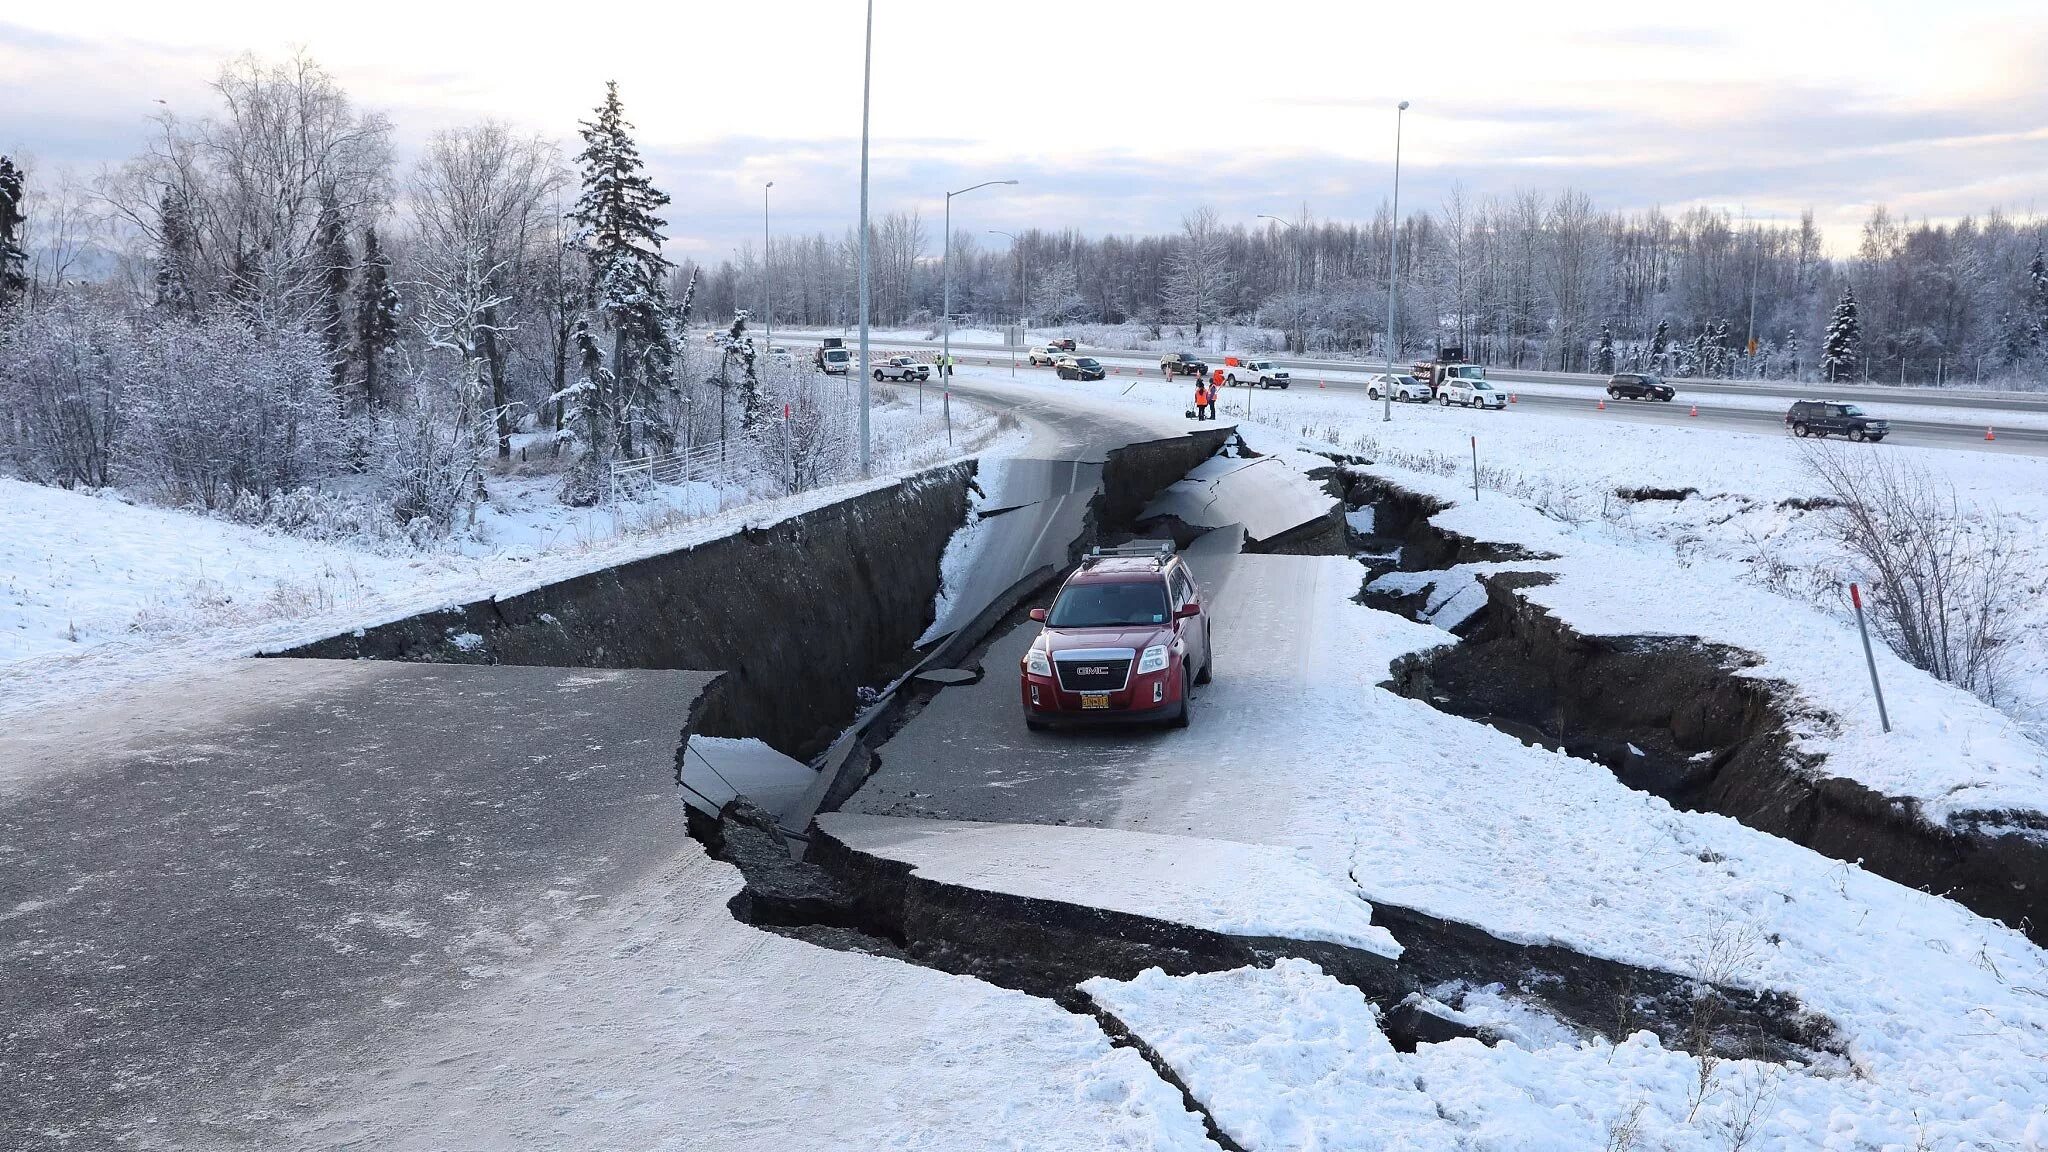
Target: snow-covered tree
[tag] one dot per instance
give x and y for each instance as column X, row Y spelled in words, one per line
column 2037, row 299
column 1843, row 344
column 1056, row 298
column 1198, row 271
column 376, row 315
column 621, row 240
column 174, row 255
column 1603, row 358
column 333, row 263
column 13, row 260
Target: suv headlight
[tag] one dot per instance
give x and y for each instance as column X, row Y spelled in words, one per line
column 1154, row 660
column 1036, row 663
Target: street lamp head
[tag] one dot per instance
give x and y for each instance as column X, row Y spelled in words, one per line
column 769, row 184
column 1402, row 107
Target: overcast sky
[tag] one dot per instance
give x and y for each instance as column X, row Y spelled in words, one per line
column 1120, row 116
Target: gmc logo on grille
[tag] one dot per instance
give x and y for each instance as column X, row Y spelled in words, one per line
column 1091, row 670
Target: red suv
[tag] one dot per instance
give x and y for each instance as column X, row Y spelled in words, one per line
column 1123, row 640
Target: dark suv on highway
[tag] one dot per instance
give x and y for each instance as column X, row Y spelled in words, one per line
column 1125, row 639
column 1639, row 386
column 1834, row 418
column 1182, row 364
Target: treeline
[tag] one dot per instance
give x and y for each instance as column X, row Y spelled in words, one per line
column 1531, row 280
column 241, row 311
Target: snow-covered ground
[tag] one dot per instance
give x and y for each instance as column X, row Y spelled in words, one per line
column 95, row 590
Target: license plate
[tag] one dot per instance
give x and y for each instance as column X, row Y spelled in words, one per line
column 1094, row 699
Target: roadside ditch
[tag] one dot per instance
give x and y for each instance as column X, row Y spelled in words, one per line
column 1674, row 717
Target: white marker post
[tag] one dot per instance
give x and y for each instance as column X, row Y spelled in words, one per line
column 1475, row 468
column 1856, row 598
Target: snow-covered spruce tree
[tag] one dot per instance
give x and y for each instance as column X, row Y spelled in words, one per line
column 621, row 240
column 1660, row 346
column 1603, row 359
column 333, row 263
column 377, row 308
column 13, row 260
column 1792, row 350
column 1843, row 342
column 174, row 255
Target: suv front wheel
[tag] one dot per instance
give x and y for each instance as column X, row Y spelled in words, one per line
column 1180, row 718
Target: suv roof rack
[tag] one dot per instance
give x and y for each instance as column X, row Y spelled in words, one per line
column 1157, row 551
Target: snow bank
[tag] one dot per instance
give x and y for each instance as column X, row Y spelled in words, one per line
column 1288, row 1058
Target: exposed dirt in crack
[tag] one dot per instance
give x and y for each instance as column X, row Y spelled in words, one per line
column 844, row 898
column 1675, row 717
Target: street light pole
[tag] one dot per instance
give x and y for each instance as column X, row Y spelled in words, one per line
column 1393, row 266
column 1300, row 337
column 946, row 275
column 768, row 275
column 866, row 80
column 1023, row 289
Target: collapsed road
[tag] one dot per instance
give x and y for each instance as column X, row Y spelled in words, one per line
column 946, row 834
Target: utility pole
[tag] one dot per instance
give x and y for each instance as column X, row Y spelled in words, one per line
column 1393, row 263
column 1023, row 290
column 866, row 83
column 768, row 274
column 946, row 274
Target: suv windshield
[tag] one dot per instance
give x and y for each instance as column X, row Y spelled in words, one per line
column 1109, row 605
column 1481, row 386
column 1084, row 361
column 1468, row 372
column 1851, row 410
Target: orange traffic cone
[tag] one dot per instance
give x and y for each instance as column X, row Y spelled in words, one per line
column 1988, row 435
column 1602, row 406
column 1695, row 411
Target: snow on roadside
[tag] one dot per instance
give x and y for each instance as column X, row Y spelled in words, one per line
column 1288, row 1058
column 710, row 1033
column 148, row 592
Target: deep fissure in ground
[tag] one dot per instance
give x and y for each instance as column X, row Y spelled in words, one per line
column 1676, row 717
column 837, row 896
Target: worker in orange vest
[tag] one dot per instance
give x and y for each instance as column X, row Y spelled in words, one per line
column 1205, row 400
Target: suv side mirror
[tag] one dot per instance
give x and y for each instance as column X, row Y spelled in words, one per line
column 1191, row 608
column 1038, row 614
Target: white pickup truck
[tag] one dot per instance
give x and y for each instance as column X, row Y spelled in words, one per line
column 1256, row 371
column 902, row 368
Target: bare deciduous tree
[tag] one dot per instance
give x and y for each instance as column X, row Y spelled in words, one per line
column 480, row 196
column 1942, row 583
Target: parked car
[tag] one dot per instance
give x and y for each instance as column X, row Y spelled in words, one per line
column 1639, row 386
column 1125, row 639
column 1044, row 354
column 1079, row 368
column 1063, row 344
column 1470, row 393
column 781, row 356
column 1399, row 384
column 902, row 368
column 1834, row 418
column 1263, row 373
column 1182, row 364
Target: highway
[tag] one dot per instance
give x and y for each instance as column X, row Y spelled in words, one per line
column 1733, row 405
